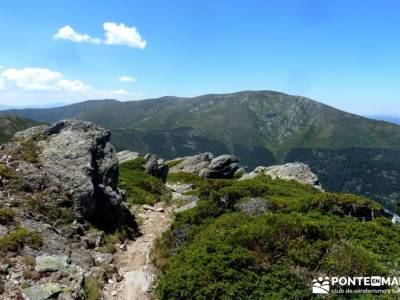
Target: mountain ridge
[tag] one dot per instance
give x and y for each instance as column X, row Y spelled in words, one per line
column 269, row 119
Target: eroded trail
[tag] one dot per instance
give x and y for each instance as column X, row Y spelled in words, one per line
column 134, row 263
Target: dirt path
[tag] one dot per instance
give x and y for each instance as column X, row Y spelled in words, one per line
column 134, row 263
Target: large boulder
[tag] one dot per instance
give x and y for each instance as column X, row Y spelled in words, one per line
column 205, row 165
column 78, row 160
column 193, row 164
column 156, row 167
column 299, row 172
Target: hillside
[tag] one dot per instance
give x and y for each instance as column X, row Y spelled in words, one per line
column 240, row 122
column 371, row 172
column 11, row 124
column 261, row 127
column 391, row 119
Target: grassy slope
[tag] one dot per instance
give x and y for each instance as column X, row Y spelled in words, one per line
column 216, row 252
column 141, row 188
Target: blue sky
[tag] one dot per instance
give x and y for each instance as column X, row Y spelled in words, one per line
column 343, row 53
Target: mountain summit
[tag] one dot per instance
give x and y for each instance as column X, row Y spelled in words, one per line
column 259, row 127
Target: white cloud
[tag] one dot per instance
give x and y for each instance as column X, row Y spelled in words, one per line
column 120, row 34
column 38, row 79
column 115, row 34
column 28, row 85
column 30, row 79
column 68, row 33
column 73, row 85
column 126, row 78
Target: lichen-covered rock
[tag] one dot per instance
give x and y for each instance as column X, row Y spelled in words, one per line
column 126, row 155
column 41, row 292
column 51, row 263
column 205, row 165
column 299, row 172
column 193, row 164
column 78, row 161
column 79, row 158
column 60, row 181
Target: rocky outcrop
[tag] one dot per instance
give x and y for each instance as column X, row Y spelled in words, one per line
column 79, row 160
column 156, row 167
column 126, row 155
column 205, row 165
column 60, row 188
column 299, row 172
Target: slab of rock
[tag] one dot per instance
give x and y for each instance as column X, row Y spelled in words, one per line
column 193, row 164
column 299, row 172
column 51, row 263
column 42, row 292
column 205, row 165
column 185, row 207
column 126, row 155
column 149, row 207
column 137, row 285
column 180, row 187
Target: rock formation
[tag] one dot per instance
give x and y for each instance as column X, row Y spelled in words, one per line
column 57, row 182
column 156, row 167
column 299, row 172
column 126, row 155
column 205, row 165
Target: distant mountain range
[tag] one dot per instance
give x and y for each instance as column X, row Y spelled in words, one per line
column 50, row 105
column 11, row 124
column 261, row 127
column 391, row 119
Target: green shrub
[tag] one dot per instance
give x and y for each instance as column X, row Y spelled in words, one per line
column 43, row 207
column 214, row 252
column 6, row 172
column 92, row 288
column 6, row 216
column 141, row 188
column 16, row 240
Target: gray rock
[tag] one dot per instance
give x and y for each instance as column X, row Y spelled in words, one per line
column 41, row 292
column 79, row 161
column 103, row 258
column 193, row 164
column 157, row 209
column 27, row 133
column 180, row 187
column 299, row 172
column 82, row 258
column 3, row 230
column 51, row 263
column 205, row 165
column 185, row 207
column 156, row 167
column 126, row 155
column 223, row 166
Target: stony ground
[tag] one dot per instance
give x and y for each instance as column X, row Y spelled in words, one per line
column 133, row 262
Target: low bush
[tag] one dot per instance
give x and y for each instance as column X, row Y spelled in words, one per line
column 92, row 288
column 141, row 187
column 6, row 216
column 214, row 252
column 16, row 240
